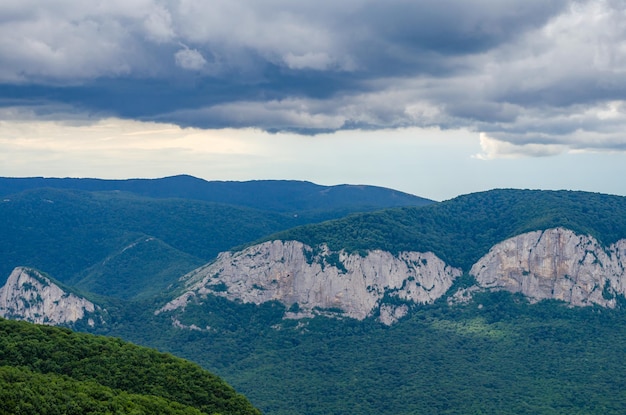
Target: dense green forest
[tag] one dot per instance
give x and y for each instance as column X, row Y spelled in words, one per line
column 49, row 370
column 463, row 229
column 496, row 354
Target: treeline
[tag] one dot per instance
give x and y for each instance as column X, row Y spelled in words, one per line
column 463, row 229
column 50, row 370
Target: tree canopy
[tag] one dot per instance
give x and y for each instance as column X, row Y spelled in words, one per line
column 463, row 229
column 49, row 370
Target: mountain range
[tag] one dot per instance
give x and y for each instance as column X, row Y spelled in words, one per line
column 287, row 196
column 312, row 307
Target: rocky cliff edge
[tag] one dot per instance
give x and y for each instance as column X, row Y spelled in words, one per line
column 551, row 264
column 556, row 264
column 29, row 295
column 318, row 279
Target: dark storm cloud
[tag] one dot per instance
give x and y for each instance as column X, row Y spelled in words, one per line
column 523, row 71
column 448, row 27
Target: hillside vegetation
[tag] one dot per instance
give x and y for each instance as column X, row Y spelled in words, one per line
column 495, row 354
column 498, row 354
column 463, row 229
column 48, row 370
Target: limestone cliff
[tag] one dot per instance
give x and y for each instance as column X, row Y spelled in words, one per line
column 551, row 264
column 556, row 264
column 29, row 295
column 293, row 273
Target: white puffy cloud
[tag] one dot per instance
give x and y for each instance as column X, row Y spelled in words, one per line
column 493, row 148
column 158, row 25
column 319, row 61
column 190, row 59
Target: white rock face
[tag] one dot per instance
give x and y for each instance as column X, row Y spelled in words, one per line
column 552, row 264
column 555, row 264
column 390, row 314
column 28, row 295
column 290, row 272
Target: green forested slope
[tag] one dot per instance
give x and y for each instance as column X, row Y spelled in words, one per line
column 48, row 370
column 141, row 269
column 72, row 235
column 463, row 229
column 29, row 393
column 498, row 354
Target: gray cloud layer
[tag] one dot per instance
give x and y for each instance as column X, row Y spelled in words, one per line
column 534, row 76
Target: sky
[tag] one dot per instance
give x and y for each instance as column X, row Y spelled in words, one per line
column 433, row 97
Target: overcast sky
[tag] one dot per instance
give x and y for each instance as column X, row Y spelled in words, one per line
column 433, row 97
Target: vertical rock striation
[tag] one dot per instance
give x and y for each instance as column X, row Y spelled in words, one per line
column 551, row 264
column 28, row 295
column 555, row 264
column 291, row 272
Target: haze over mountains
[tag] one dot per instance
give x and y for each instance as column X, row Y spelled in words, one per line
column 272, row 195
column 294, row 301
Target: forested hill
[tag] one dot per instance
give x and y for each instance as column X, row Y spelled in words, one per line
column 104, row 238
column 272, row 195
column 49, row 370
column 463, row 229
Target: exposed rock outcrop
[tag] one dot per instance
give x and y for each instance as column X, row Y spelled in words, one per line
column 551, row 264
column 29, row 295
column 291, row 272
column 556, row 264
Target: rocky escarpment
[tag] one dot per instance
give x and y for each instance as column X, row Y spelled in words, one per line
column 556, row 264
column 293, row 273
column 29, row 295
column 551, row 264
